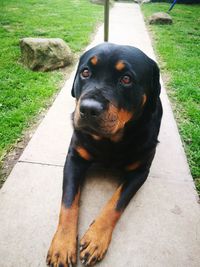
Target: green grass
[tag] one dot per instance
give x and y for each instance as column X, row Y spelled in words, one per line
column 24, row 93
column 178, row 50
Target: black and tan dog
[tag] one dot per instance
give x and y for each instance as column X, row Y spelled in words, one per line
column 116, row 122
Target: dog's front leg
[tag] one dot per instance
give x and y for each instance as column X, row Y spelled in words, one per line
column 62, row 252
column 96, row 240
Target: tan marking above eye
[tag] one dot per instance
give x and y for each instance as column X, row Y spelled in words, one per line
column 120, row 65
column 94, row 60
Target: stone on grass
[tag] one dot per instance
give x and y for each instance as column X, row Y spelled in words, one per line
column 160, row 18
column 44, row 54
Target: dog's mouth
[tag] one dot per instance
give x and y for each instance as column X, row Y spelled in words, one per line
column 103, row 126
column 104, row 123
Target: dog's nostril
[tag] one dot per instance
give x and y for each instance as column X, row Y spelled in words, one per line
column 94, row 112
column 90, row 108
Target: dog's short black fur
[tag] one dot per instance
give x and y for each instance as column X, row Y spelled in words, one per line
column 116, row 122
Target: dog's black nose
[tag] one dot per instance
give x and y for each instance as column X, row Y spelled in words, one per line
column 90, row 108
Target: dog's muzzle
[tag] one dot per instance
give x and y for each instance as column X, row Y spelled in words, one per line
column 88, row 115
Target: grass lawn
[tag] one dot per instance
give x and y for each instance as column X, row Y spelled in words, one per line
column 178, row 50
column 24, row 93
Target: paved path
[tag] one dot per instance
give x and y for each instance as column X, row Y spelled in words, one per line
column 160, row 227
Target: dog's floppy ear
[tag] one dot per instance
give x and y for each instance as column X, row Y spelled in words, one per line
column 155, row 86
column 73, row 91
column 74, row 83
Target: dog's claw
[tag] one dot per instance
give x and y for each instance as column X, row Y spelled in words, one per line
column 83, row 261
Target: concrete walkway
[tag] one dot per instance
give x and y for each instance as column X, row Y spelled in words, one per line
column 160, row 227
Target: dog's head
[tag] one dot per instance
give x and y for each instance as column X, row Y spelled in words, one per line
column 114, row 85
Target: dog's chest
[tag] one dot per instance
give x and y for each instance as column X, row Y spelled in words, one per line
column 115, row 154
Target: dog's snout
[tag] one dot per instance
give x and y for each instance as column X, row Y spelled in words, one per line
column 90, row 108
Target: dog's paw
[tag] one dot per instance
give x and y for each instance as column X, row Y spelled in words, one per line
column 94, row 243
column 62, row 252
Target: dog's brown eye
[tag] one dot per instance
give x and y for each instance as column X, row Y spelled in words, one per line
column 85, row 73
column 126, row 80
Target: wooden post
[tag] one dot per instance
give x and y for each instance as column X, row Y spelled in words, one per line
column 106, row 20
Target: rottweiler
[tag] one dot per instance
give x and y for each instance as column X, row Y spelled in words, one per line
column 116, row 123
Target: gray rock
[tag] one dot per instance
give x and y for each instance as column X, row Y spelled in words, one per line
column 160, row 18
column 44, row 54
